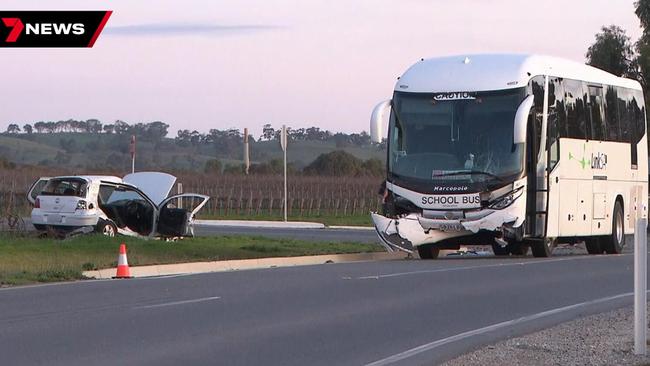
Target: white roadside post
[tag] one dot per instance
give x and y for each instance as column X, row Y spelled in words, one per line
column 640, row 284
column 283, row 143
column 132, row 150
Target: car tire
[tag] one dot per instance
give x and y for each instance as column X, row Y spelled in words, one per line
column 500, row 251
column 518, row 248
column 40, row 227
column 106, row 228
column 428, row 252
column 613, row 243
column 593, row 245
column 542, row 248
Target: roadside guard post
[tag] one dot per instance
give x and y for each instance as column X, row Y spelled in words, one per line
column 640, row 286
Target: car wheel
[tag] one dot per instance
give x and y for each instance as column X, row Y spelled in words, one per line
column 107, row 228
column 613, row 244
column 542, row 248
column 593, row 246
column 518, row 248
column 500, row 251
column 428, row 252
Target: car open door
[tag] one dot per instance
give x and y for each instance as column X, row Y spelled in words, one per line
column 176, row 214
column 36, row 189
column 155, row 185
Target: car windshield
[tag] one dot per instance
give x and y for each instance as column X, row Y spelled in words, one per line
column 65, row 187
column 455, row 136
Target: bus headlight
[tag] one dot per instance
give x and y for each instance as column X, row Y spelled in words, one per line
column 506, row 200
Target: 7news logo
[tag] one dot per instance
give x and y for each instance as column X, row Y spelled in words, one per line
column 51, row 28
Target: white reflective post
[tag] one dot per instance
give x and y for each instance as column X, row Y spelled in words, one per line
column 283, row 143
column 640, row 286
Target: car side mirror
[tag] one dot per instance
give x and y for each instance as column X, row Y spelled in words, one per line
column 379, row 114
column 521, row 120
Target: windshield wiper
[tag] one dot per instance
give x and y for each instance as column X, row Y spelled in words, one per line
column 470, row 172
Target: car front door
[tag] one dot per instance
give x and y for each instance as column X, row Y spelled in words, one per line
column 176, row 214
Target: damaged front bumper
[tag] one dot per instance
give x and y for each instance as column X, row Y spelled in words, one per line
column 408, row 232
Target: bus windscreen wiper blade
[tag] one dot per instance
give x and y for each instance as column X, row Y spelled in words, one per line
column 469, row 172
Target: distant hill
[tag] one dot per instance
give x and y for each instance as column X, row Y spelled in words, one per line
column 109, row 151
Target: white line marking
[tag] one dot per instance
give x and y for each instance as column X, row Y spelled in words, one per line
column 178, row 303
column 441, row 342
column 524, row 263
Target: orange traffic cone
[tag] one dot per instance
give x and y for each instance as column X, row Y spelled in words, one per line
column 122, row 264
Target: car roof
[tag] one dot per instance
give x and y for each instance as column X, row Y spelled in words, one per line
column 92, row 178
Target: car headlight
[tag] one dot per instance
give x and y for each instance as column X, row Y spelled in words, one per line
column 506, row 200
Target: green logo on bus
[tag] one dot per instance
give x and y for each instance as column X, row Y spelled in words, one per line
column 583, row 162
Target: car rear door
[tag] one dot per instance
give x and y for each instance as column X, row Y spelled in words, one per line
column 176, row 214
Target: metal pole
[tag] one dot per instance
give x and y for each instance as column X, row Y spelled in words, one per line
column 285, row 180
column 640, row 286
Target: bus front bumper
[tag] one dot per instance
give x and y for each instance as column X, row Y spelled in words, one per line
column 408, row 232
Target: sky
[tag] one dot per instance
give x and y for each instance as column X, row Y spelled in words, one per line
column 203, row 64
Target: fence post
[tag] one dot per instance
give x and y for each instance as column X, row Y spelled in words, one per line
column 640, row 286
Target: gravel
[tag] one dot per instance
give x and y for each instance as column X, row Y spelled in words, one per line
column 603, row 339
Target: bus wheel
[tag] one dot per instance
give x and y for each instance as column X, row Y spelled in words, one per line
column 542, row 248
column 593, row 246
column 428, row 252
column 500, row 251
column 613, row 244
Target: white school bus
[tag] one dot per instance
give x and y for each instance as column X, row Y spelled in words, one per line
column 516, row 152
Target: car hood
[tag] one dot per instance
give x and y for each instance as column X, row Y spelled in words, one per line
column 156, row 185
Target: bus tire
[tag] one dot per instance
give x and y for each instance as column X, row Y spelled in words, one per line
column 542, row 248
column 428, row 252
column 613, row 243
column 593, row 245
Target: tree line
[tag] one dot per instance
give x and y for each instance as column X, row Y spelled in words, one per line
column 157, row 130
column 615, row 52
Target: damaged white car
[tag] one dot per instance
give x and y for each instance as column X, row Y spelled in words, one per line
column 136, row 205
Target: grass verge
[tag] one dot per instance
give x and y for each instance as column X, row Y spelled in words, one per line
column 25, row 260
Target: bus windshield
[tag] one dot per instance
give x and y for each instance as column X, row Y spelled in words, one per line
column 455, row 136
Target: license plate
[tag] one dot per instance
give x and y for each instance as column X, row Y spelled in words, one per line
column 54, row 219
column 451, row 227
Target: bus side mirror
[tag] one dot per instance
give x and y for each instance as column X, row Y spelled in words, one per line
column 379, row 114
column 521, row 120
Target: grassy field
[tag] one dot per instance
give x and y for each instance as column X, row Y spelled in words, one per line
column 329, row 220
column 25, row 260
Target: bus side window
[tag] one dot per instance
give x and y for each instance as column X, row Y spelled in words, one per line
column 624, row 115
column 596, row 109
column 611, row 114
column 556, row 119
column 575, row 109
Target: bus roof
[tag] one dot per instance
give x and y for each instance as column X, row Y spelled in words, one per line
column 484, row 72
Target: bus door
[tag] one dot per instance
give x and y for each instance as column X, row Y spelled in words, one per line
column 596, row 118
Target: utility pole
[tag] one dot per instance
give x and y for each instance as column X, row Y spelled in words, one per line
column 283, row 144
column 247, row 160
column 132, row 150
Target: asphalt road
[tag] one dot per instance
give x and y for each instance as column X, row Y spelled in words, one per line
column 407, row 311
column 339, row 235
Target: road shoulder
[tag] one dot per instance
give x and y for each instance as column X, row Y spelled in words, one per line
column 601, row 339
